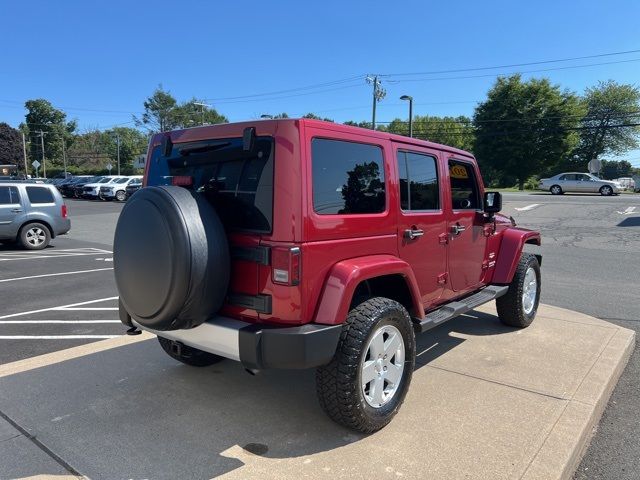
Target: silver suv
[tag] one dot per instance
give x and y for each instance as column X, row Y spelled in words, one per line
column 31, row 214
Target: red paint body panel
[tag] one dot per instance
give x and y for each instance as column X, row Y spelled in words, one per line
column 513, row 240
column 347, row 274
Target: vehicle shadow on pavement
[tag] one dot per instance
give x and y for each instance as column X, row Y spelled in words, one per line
column 133, row 412
column 630, row 222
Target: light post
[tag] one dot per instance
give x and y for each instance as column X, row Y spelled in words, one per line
column 410, row 98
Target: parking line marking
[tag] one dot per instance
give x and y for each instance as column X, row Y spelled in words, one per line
column 20, row 314
column 55, row 337
column 528, row 207
column 66, row 309
column 628, row 211
column 20, row 322
column 55, row 274
column 56, row 253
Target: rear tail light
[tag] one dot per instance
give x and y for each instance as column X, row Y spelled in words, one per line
column 285, row 265
column 63, row 211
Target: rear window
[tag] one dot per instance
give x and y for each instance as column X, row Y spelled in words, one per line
column 237, row 183
column 39, row 195
column 348, row 177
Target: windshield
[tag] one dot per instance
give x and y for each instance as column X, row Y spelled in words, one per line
column 105, row 180
column 122, row 180
column 239, row 184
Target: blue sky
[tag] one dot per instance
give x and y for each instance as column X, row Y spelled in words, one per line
column 98, row 61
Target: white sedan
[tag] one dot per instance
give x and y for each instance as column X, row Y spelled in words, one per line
column 578, row 182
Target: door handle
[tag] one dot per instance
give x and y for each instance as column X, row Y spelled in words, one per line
column 457, row 229
column 413, row 233
column 16, row 210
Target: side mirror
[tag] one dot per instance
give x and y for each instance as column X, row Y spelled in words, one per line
column 492, row 202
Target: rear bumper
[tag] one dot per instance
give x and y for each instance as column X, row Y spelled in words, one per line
column 258, row 346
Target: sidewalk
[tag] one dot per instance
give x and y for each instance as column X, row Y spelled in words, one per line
column 486, row 401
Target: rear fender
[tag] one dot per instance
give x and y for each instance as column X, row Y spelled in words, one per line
column 345, row 276
column 513, row 241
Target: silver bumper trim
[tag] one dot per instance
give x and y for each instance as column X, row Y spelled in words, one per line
column 219, row 335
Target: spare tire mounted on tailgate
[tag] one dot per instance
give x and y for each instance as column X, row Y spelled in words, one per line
column 171, row 258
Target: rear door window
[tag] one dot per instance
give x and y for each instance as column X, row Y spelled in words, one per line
column 39, row 195
column 348, row 177
column 418, row 181
column 9, row 196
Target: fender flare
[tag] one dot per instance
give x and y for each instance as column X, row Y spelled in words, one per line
column 513, row 241
column 346, row 275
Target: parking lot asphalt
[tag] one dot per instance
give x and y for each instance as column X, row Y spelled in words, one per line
column 590, row 264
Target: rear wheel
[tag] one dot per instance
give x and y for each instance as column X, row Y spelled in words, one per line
column 519, row 306
column 34, row 236
column 188, row 355
column 556, row 190
column 606, row 190
column 366, row 382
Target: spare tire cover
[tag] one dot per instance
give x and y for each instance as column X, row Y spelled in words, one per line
column 170, row 258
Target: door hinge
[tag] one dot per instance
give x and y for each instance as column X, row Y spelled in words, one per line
column 442, row 278
column 485, row 264
column 443, row 238
column 488, row 230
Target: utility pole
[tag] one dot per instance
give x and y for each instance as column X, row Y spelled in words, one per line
column 64, row 158
column 44, row 162
column 24, row 152
column 203, row 105
column 118, row 143
column 378, row 94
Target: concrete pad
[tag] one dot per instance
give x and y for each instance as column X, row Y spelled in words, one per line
column 487, row 401
column 20, row 458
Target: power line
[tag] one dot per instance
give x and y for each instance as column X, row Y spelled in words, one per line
column 514, row 64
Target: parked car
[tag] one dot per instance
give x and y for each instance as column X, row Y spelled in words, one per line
column 67, row 188
column 117, row 189
column 31, row 214
column 133, row 187
column 626, row 183
column 303, row 243
column 578, row 182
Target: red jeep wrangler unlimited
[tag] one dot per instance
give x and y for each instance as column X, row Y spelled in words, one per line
column 301, row 243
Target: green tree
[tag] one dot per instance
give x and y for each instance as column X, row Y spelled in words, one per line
column 10, row 145
column 44, row 119
column 132, row 143
column 608, row 126
column 525, row 128
column 453, row 131
column 162, row 113
column 615, row 169
column 313, row 116
column 159, row 112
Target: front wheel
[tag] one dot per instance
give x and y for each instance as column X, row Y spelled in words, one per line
column 367, row 380
column 519, row 306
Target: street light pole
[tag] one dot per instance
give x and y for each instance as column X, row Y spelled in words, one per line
column 44, row 162
column 118, row 143
column 24, row 152
column 410, row 98
column 64, row 158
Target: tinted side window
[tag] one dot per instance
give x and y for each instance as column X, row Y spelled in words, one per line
column 5, row 196
column 464, row 189
column 418, row 182
column 9, row 195
column 39, row 195
column 348, row 177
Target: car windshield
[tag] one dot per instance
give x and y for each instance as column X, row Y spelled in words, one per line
column 122, row 180
column 105, row 180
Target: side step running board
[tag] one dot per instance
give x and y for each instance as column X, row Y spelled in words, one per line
column 459, row 307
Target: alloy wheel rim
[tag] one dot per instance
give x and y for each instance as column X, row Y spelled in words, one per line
column 36, row 236
column 382, row 366
column 529, row 291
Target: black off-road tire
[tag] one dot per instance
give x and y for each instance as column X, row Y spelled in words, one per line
column 30, row 231
column 338, row 384
column 511, row 306
column 189, row 355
